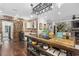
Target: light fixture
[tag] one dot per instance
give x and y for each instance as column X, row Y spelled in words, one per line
column 1, row 11
column 52, row 6
column 59, row 13
column 59, row 5
column 31, row 16
column 31, row 5
column 41, row 8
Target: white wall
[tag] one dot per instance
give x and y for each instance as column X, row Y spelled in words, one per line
column 3, row 27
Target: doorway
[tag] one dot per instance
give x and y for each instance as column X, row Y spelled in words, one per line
column 7, row 32
column 7, row 29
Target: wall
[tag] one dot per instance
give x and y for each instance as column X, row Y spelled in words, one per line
column 0, row 30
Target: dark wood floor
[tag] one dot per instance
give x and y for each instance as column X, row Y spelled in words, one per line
column 10, row 48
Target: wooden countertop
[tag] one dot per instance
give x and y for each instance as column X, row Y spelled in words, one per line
column 64, row 42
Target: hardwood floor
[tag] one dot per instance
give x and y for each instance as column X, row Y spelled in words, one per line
column 10, row 48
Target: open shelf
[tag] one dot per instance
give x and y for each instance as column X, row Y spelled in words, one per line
column 41, row 50
column 32, row 52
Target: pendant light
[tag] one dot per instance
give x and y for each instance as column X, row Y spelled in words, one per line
column 41, row 8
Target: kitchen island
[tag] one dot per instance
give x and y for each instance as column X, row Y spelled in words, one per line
column 64, row 44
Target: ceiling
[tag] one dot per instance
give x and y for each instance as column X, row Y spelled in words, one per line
column 24, row 10
column 16, row 9
column 64, row 13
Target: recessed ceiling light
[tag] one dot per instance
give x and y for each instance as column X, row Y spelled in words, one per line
column 59, row 13
column 52, row 6
column 31, row 16
column 0, row 11
column 59, row 5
